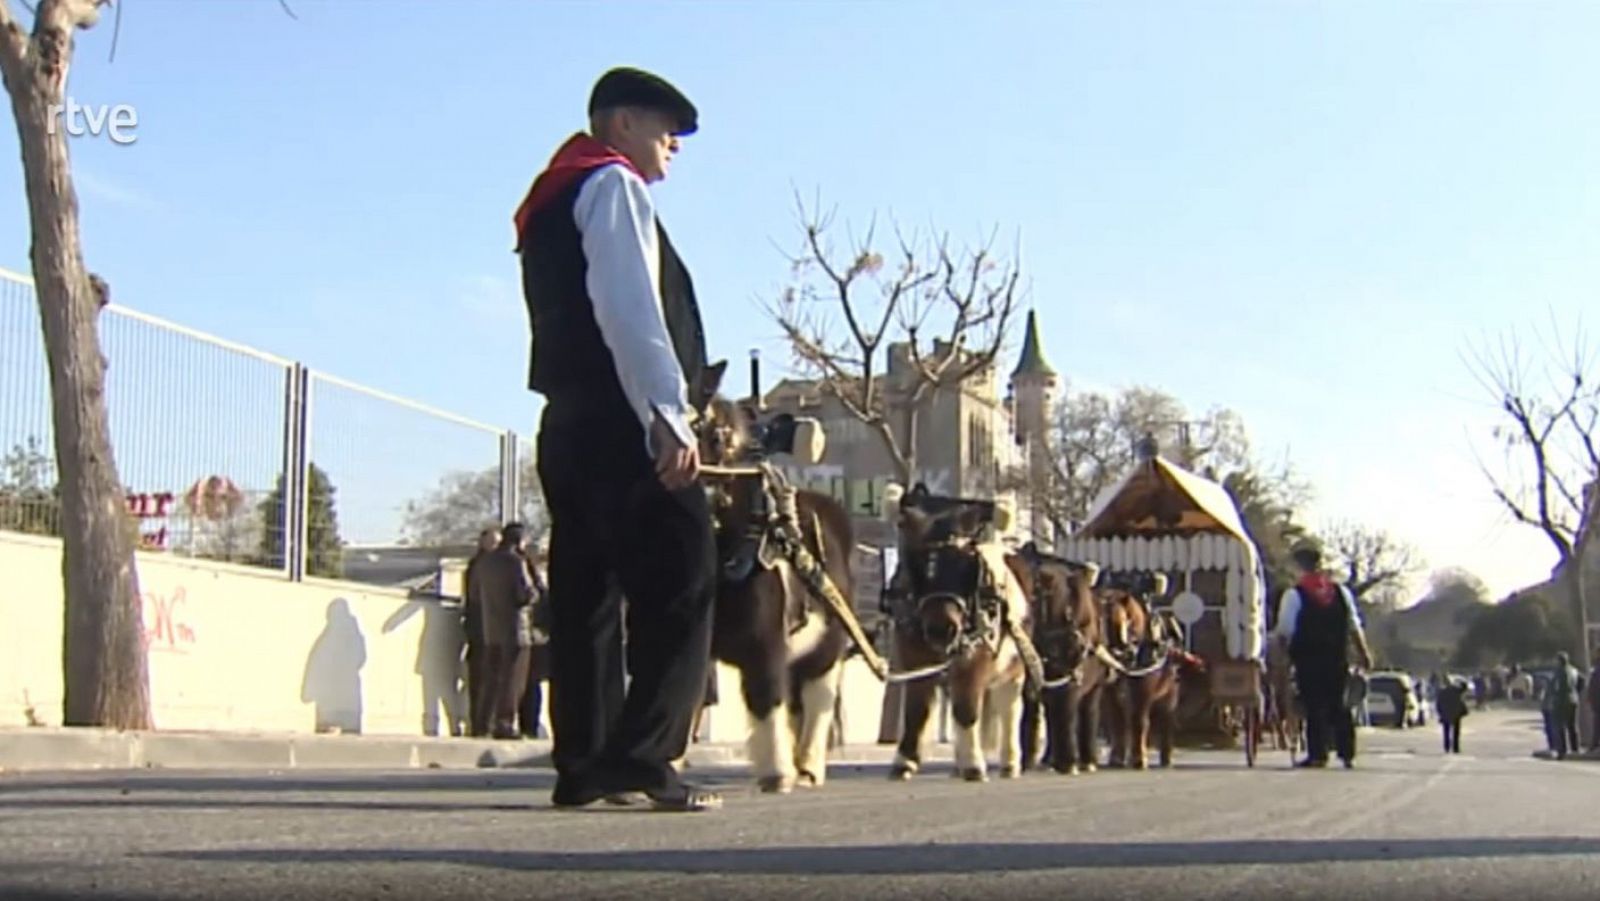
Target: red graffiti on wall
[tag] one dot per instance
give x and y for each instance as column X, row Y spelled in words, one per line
column 165, row 626
column 152, row 506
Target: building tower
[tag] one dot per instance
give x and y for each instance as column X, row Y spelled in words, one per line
column 1033, row 388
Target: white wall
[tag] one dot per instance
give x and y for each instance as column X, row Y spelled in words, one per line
column 233, row 648
column 239, row 649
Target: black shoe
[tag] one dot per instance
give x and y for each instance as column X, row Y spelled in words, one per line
column 1349, row 762
column 1312, row 764
column 572, row 792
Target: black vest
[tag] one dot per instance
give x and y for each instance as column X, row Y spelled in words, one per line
column 569, row 360
column 1321, row 633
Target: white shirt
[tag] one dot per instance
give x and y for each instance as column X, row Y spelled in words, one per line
column 1289, row 612
column 617, row 221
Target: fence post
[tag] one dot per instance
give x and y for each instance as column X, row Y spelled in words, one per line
column 510, row 478
column 296, row 432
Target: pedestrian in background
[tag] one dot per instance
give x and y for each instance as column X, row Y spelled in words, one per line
column 1594, row 701
column 501, row 588
column 472, row 631
column 1450, row 702
column 531, row 707
column 1566, row 686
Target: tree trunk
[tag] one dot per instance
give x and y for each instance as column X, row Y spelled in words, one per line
column 103, row 649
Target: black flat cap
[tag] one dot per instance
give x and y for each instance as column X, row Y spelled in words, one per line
column 624, row 86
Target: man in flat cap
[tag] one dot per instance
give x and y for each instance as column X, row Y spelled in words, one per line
column 619, row 355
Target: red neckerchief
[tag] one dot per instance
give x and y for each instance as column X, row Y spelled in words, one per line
column 1318, row 588
column 580, row 155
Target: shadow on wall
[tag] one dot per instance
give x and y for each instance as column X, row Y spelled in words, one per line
column 439, row 662
column 333, row 671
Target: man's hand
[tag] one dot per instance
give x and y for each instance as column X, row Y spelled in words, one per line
column 677, row 466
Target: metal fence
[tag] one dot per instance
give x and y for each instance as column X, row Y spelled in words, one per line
column 232, row 454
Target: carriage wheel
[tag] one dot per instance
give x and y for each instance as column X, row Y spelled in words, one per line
column 1252, row 734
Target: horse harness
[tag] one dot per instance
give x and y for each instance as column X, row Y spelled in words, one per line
column 773, row 532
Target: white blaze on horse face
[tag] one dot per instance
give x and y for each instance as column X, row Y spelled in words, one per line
column 817, row 700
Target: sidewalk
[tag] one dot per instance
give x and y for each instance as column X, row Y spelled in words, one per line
column 55, row 748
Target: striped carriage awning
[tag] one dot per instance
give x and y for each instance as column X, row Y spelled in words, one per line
column 1160, row 498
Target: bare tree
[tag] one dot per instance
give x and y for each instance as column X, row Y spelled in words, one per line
column 1550, row 409
column 104, row 662
column 963, row 302
column 1374, row 561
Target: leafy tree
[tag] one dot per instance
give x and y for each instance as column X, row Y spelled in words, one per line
column 465, row 503
column 30, row 497
column 1522, row 629
column 324, row 547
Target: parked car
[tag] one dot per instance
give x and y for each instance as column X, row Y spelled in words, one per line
column 1393, row 700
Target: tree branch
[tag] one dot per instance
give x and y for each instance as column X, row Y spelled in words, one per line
column 13, row 46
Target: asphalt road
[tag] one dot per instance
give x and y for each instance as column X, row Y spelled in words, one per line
column 1407, row 822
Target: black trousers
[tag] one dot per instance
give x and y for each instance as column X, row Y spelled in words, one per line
column 1566, row 729
column 616, row 532
column 1321, row 684
column 1452, row 734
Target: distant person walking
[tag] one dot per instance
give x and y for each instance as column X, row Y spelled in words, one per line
column 1319, row 621
column 1450, row 702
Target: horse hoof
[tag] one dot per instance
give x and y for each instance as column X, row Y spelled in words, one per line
column 807, row 779
column 973, row 774
column 902, row 773
column 1010, row 772
column 777, row 785
column 1141, row 765
column 1089, row 768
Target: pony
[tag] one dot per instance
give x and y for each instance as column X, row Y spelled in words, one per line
column 1067, row 628
column 1145, row 696
column 955, row 602
column 787, row 646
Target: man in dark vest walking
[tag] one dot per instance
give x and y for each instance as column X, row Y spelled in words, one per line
column 618, row 351
column 1319, row 620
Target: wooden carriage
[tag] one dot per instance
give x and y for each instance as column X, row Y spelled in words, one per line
column 1162, row 518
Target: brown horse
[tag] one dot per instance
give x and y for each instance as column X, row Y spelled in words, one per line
column 955, row 593
column 1066, row 629
column 1145, row 694
column 789, row 649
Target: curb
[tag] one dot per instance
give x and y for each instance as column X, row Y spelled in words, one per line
column 59, row 749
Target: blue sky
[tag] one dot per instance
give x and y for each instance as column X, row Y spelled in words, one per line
column 1303, row 212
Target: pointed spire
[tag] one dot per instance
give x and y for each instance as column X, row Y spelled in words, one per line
column 1032, row 362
